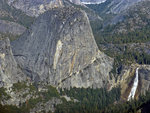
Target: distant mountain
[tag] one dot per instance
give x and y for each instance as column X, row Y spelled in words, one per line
column 113, row 6
column 135, row 18
column 36, row 7
column 92, row 1
column 117, row 6
column 117, row 19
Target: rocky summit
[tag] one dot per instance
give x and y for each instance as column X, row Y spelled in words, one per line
column 59, row 49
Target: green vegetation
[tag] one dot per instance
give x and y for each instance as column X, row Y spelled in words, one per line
column 102, row 9
column 128, row 57
column 90, row 100
column 32, row 88
column 25, row 108
column 42, row 97
column 128, row 107
column 122, row 107
column 3, row 94
column 32, row 102
column 9, row 109
column 137, row 36
column 99, row 8
column 22, row 85
column 52, row 92
column 19, row 86
column 136, row 31
column 136, row 24
column 10, row 36
column 39, row 97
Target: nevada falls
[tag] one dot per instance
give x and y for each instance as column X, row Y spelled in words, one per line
column 134, row 87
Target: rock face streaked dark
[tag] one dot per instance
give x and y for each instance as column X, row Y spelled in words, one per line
column 60, row 49
column 9, row 71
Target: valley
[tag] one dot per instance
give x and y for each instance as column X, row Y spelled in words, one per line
column 72, row 56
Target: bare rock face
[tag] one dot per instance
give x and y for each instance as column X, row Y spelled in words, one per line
column 144, row 76
column 35, row 7
column 9, row 72
column 60, row 49
column 75, row 1
column 117, row 6
column 11, row 27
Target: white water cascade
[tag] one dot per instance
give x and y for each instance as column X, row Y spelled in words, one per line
column 134, row 87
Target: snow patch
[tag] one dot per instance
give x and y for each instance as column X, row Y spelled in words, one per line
column 94, row 2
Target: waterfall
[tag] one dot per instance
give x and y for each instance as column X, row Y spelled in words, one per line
column 134, row 87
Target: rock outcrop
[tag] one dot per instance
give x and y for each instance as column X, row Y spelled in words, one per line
column 11, row 28
column 9, row 71
column 144, row 77
column 35, row 7
column 117, row 6
column 75, row 1
column 48, row 106
column 60, row 49
column 13, row 22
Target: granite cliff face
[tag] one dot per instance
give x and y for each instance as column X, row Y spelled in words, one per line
column 35, row 7
column 144, row 77
column 9, row 71
column 11, row 28
column 60, row 49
